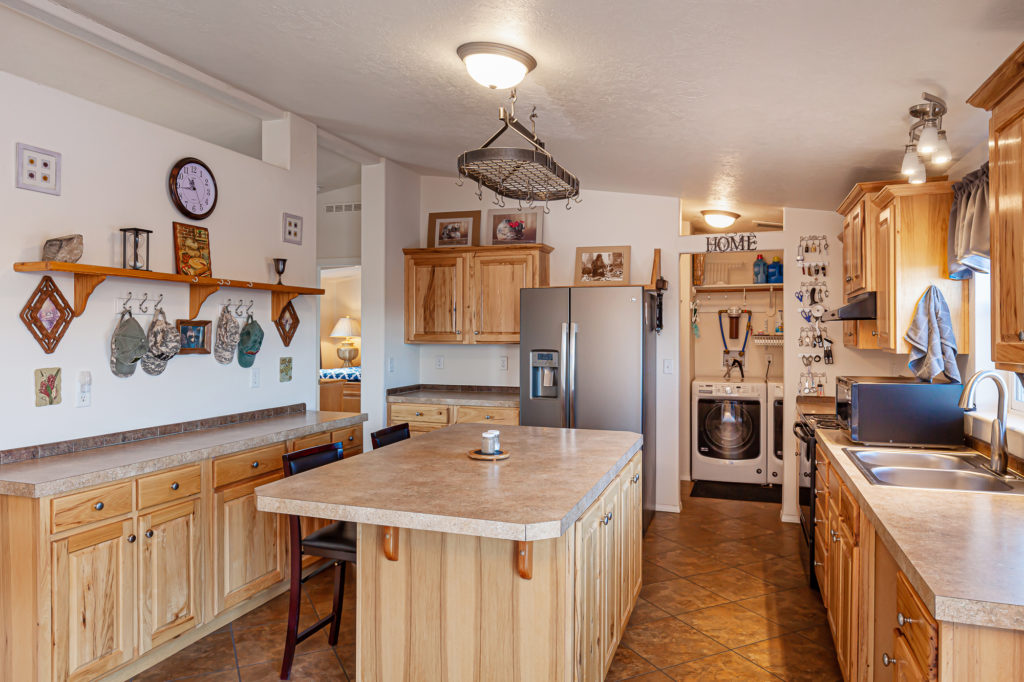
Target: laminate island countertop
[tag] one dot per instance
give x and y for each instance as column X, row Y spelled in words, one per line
column 429, row 482
column 962, row 551
column 454, row 396
column 63, row 473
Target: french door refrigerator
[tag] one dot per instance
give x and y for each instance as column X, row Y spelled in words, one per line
column 587, row 361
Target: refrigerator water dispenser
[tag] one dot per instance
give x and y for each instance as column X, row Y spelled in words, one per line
column 544, row 374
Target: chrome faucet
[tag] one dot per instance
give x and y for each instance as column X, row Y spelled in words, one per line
column 997, row 440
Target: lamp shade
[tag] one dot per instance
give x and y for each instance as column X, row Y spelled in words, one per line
column 345, row 327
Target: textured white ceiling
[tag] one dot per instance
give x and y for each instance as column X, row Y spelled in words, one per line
column 779, row 102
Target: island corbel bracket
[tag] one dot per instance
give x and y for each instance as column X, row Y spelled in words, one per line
column 197, row 294
column 524, row 559
column 389, row 535
column 85, row 284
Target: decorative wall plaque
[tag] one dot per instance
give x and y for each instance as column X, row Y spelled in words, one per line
column 287, row 323
column 47, row 314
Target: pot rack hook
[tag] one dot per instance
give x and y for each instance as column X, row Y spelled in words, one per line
column 142, row 303
column 520, row 209
column 533, row 120
column 568, row 203
column 228, row 304
column 479, row 191
column 546, row 209
column 458, row 181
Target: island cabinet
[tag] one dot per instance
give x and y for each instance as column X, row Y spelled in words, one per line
column 1002, row 94
column 470, row 294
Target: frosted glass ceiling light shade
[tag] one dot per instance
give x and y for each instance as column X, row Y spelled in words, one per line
column 929, row 139
column 496, row 66
column 716, row 218
column 912, row 164
column 942, row 153
column 917, row 178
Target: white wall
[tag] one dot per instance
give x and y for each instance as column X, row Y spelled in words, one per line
column 342, row 296
column 338, row 235
column 603, row 218
column 114, row 175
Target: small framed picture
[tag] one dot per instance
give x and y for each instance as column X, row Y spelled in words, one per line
column 454, row 228
column 602, row 266
column 192, row 250
column 195, row 336
column 515, row 227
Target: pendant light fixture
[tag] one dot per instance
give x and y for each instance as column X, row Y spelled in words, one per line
column 927, row 139
column 720, row 219
column 912, row 164
column 496, row 66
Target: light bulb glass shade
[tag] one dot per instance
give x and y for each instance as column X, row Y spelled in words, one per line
column 942, row 153
column 929, row 139
column 345, row 327
column 912, row 164
column 917, row 179
column 496, row 66
column 716, row 218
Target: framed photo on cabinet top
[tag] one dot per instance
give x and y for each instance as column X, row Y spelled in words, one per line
column 602, row 266
column 506, row 226
column 454, row 228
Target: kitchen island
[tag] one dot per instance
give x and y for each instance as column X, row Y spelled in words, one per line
column 522, row 569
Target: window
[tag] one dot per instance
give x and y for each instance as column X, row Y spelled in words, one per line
column 1016, row 392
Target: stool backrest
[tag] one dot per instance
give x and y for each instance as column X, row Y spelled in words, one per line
column 389, row 435
column 311, row 458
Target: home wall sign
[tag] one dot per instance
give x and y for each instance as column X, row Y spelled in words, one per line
column 725, row 243
column 47, row 314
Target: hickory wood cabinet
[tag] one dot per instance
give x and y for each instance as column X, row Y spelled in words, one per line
column 426, row 417
column 1003, row 95
column 859, row 257
column 97, row 578
column 470, row 294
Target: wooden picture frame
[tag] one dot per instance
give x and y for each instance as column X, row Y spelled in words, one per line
column 502, row 227
column 611, row 261
column 194, row 344
column 286, row 323
column 467, row 222
column 47, row 314
column 192, row 250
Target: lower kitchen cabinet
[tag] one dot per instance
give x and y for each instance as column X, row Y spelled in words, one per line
column 93, row 597
column 426, row 417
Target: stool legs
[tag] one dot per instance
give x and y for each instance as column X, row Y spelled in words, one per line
column 294, row 603
column 339, row 597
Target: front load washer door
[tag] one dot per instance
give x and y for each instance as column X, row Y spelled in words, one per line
column 729, row 429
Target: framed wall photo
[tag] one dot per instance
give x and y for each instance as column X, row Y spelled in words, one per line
column 195, row 336
column 515, row 227
column 454, row 228
column 602, row 266
column 192, row 250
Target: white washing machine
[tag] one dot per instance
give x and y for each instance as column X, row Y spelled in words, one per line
column 774, row 431
column 729, row 429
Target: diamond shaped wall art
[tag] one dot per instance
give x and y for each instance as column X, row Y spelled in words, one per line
column 47, row 314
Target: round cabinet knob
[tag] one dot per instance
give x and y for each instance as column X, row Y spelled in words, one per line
column 775, row 474
column 759, row 471
column 98, row 506
column 458, row 331
column 818, row 563
column 874, row 333
column 887, row 660
column 131, row 538
column 175, row 486
column 609, row 517
column 1020, row 335
column 849, row 279
column 419, row 414
column 902, row 620
column 487, row 416
column 476, row 333
column 636, row 478
column 149, row 533
column 255, row 465
column 850, row 334
column 351, row 437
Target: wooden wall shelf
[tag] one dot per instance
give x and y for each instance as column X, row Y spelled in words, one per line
column 88, row 277
column 735, row 288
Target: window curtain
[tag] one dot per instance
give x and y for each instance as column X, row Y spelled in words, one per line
column 968, row 226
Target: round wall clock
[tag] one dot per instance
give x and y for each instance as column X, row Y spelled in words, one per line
column 193, row 188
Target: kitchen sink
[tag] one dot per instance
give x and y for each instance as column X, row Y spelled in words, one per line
column 940, row 478
column 942, row 470
column 917, row 460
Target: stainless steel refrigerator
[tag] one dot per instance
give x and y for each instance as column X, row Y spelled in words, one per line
column 587, row 361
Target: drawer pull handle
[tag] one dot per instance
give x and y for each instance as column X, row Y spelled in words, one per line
column 351, row 437
column 818, row 563
column 819, row 492
column 1020, row 335
column 487, row 416
column 636, row 478
column 175, row 486
column 131, row 538
column 849, row 279
column 902, row 620
column 820, row 521
column 887, row 660
column 419, row 414
column 255, row 465
column 98, row 506
column 149, row 533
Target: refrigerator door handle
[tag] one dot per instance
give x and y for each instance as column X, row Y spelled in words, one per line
column 562, row 386
column 573, row 330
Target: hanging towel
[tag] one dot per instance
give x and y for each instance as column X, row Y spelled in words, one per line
column 931, row 339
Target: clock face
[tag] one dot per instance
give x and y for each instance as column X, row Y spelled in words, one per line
column 193, row 188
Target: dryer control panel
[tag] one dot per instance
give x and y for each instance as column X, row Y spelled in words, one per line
column 730, row 389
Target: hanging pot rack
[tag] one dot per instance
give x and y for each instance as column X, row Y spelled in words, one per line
column 527, row 174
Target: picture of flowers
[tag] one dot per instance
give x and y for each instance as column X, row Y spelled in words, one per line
column 192, row 250
column 515, row 227
column 47, row 386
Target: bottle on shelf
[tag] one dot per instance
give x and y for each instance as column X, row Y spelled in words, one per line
column 775, row 271
column 760, row 270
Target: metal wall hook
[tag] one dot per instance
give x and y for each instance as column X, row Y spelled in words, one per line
column 126, row 305
column 142, row 303
column 248, row 310
column 228, row 304
column 158, row 302
column 238, row 308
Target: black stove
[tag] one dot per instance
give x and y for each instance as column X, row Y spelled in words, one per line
column 806, row 444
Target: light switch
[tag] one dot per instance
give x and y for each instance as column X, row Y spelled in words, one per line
column 438, row 362
column 503, row 363
column 666, row 366
column 254, row 377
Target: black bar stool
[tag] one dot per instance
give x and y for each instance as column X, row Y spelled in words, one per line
column 336, row 541
column 389, row 435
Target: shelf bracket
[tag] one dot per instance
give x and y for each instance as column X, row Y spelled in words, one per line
column 389, row 535
column 278, row 300
column 197, row 294
column 524, row 559
column 84, row 286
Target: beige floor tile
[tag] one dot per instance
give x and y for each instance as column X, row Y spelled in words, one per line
column 626, row 664
column 319, row 665
column 669, row 642
column 656, row 676
column 732, row 625
column 653, row 573
column 734, row 528
column 212, row 653
column 724, row 667
column 782, row 571
column 276, row 611
column 735, row 552
column 266, row 643
column 795, row 609
column 680, row 596
column 657, row 544
column 819, row 634
column 684, row 562
column 645, row 612
column 733, row 584
column 794, row 658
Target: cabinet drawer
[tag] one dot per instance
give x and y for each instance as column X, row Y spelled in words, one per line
column 491, row 415
column 416, row 429
column 234, row 468
column 919, row 628
column 352, row 437
column 169, row 485
column 310, row 441
column 410, row 412
column 87, row 506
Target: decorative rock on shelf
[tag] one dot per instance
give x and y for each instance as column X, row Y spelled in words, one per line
column 67, row 249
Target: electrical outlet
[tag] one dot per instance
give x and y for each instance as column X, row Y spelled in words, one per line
column 503, row 363
column 438, row 362
column 291, row 228
column 83, row 399
column 84, row 396
column 391, row 364
column 254, row 377
column 666, row 366
column 768, row 358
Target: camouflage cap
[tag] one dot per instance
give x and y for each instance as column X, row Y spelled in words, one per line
column 163, row 341
column 127, row 345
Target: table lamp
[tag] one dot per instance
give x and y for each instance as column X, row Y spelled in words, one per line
column 346, row 328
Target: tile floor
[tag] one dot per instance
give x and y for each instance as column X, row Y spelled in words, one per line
column 724, row 598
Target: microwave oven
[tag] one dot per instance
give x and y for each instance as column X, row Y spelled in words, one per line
column 900, row 411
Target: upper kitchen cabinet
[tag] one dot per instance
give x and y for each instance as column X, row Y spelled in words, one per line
column 911, row 231
column 1003, row 95
column 470, row 294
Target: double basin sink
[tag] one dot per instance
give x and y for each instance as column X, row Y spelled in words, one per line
column 936, row 470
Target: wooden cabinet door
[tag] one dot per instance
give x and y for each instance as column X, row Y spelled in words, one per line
column 93, row 601
column 614, row 525
column 846, row 625
column 905, row 666
column 170, row 564
column 1006, row 183
column 493, row 294
column 433, row 299
column 589, row 587
column 249, row 553
column 885, row 318
column 832, row 573
column 854, row 255
column 634, row 533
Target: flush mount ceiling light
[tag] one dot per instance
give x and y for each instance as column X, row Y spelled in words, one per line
column 494, row 65
column 717, row 218
column 926, row 139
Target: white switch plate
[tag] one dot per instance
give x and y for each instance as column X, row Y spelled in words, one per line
column 38, row 169
column 291, row 228
column 666, row 366
column 503, row 363
column 391, row 364
column 254, row 377
column 438, row 362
